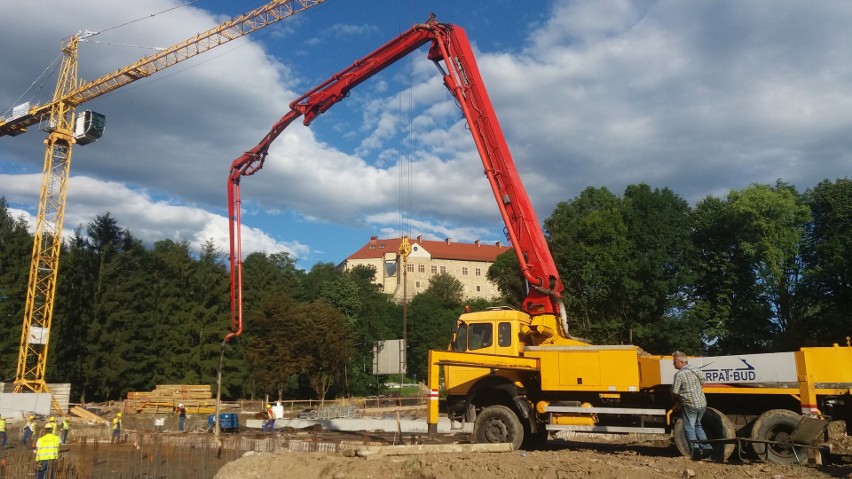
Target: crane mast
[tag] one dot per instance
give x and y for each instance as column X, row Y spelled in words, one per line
column 449, row 44
column 57, row 118
column 44, row 266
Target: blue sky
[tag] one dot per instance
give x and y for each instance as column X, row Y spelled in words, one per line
column 699, row 97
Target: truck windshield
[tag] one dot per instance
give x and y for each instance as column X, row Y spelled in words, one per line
column 480, row 336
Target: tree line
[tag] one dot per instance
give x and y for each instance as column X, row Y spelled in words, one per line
column 764, row 268
column 128, row 317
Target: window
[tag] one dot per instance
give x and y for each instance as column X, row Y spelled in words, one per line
column 417, row 284
column 410, row 268
column 477, row 288
column 504, row 334
column 479, row 271
column 421, row 268
column 480, row 336
column 461, row 338
column 464, row 270
column 443, row 269
column 390, row 268
column 434, row 269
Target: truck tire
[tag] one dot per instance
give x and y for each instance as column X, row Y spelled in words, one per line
column 498, row 424
column 717, row 426
column 777, row 425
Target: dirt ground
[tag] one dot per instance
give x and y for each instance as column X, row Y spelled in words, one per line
column 147, row 453
column 605, row 458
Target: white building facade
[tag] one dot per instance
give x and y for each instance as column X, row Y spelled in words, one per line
column 467, row 262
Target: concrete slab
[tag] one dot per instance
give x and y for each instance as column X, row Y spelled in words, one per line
column 419, row 449
column 417, row 426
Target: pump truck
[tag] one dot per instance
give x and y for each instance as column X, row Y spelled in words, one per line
column 517, row 374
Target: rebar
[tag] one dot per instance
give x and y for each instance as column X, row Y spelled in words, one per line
column 151, row 455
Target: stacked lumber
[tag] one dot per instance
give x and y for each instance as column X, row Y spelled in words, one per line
column 197, row 399
column 87, row 415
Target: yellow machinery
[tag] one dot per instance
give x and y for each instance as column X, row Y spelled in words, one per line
column 518, row 380
column 404, row 251
column 58, row 119
column 518, row 375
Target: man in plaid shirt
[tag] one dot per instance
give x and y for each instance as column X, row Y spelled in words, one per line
column 689, row 397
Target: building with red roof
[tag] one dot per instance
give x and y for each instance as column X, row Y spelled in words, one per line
column 467, row 262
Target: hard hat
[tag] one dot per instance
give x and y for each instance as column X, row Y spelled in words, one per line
column 52, row 419
column 180, row 405
column 31, row 417
column 119, row 414
column 48, row 426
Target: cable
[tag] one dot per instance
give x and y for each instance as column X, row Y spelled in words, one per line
column 223, row 50
column 144, row 18
column 42, row 77
column 159, row 49
column 83, row 36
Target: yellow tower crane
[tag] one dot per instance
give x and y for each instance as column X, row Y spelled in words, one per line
column 57, row 118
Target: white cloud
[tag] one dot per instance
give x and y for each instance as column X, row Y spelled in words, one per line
column 148, row 219
column 700, row 97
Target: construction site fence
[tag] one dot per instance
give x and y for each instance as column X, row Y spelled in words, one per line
column 291, row 407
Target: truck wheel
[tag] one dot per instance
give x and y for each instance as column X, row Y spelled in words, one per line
column 717, row 426
column 497, row 424
column 777, row 425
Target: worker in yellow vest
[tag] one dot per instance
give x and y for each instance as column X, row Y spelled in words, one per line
column 52, row 422
column 269, row 424
column 116, row 429
column 2, row 431
column 46, row 453
column 64, row 429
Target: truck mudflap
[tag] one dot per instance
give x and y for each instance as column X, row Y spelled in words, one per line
column 522, row 404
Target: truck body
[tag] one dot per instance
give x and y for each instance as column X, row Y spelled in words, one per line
column 518, row 380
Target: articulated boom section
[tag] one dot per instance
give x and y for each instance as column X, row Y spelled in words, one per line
column 461, row 77
column 522, row 225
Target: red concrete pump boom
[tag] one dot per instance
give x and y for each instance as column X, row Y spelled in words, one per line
column 461, row 77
